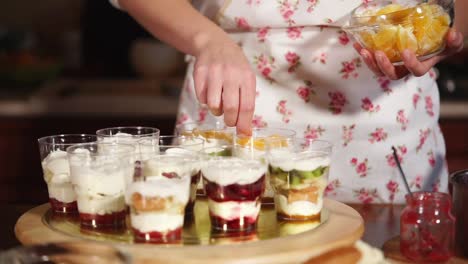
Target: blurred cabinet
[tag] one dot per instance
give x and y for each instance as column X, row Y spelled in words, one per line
column 456, row 140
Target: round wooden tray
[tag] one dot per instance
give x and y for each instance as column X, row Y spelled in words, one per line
column 341, row 226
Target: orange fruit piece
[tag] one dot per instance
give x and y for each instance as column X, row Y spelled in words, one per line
column 260, row 143
column 406, row 39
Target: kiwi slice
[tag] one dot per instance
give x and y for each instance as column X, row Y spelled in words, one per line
column 314, row 173
column 222, row 153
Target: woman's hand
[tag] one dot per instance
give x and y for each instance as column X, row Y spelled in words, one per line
column 225, row 82
column 381, row 65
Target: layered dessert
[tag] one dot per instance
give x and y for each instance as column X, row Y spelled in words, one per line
column 255, row 148
column 99, row 183
column 157, row 208
column 212, row 137
column 233, row 187
column 56, row 171
column 170, row 164
column 299, row 181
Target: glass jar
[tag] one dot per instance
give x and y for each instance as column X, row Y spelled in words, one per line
column 427, row 227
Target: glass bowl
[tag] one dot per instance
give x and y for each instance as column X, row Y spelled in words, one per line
column 392, row 26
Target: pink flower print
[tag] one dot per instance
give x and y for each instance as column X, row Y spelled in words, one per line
column 306, row 91
column 392, row 187
column 183, row 117
column 263, row 33
column 202, row 112
column 347, row 135
column 401, row 152
column 313, row 132
column 417, row 182
column 368, row 106
column 416, row 98
column 343, row 38
column 328, row 20
column 293, row 60
column 429, row 106
column 332, row 186
column 312, row 5
column 423, row 135
column 349, row 68
column 361, row 167
column 431, row 158
column 366, row 196
column 322, row 58
column 294, row 32
column 258, row 122
column 402, row 119
column 242, row 23
column 287, row 9
column 385, row 84
column 284, row 111
column 378, row 135
column 337, row 102
column 265, row 65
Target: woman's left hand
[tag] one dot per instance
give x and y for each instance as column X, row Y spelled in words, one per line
column 381, row 65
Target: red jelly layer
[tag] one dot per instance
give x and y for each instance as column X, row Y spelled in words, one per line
column 235, row 192
column 104, row 222
column 170, row 237
column 244, row 223
column 61, row 207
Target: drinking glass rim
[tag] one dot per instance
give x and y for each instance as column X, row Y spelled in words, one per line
column 455, row 174
column 44, row 140
column 142, row 140
column 328, row 145
column 99, row 133
column 290, row 135
column 130, row 149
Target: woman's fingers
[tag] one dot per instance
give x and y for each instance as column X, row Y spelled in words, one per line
column 416, row 67
column 388, row 69
column 200, row 74
column 454, row 42
column 368, row 59
column 246, row 104
column 230, row 101
column 215, row 88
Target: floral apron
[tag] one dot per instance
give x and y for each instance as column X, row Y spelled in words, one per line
column 311, row 80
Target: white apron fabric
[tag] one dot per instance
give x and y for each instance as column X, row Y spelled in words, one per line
column 311, row 80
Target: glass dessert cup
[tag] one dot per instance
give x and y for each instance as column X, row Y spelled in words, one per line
column 56, row 170
column 158, row 199
column 393, row 26
column 427, row 227
column 177, row 145
column 254, row 147
column 299, row 175
column 213, row 134
column 233, row 188
column 98, row 174
column 127, row 134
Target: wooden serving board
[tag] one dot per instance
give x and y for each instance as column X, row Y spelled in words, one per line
column 343, row 227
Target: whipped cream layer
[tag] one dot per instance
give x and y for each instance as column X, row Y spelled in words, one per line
column 178, row 188
column 155, row 167
column 234, row 210
column 232, row 171
column 303, row 161
column 303, row 208
column 249, row 153
column 57, row 176
column 62, row 192
column 104, row 205
column 159, row 222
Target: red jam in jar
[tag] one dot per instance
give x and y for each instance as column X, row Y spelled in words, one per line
column 427, row 227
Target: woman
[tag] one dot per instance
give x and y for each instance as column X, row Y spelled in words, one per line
column 287, row 64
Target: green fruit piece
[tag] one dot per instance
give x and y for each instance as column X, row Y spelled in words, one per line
column 294, row 177
column 314, row 173
column 222, row 153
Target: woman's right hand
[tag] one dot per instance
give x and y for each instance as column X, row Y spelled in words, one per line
column 225, row 82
